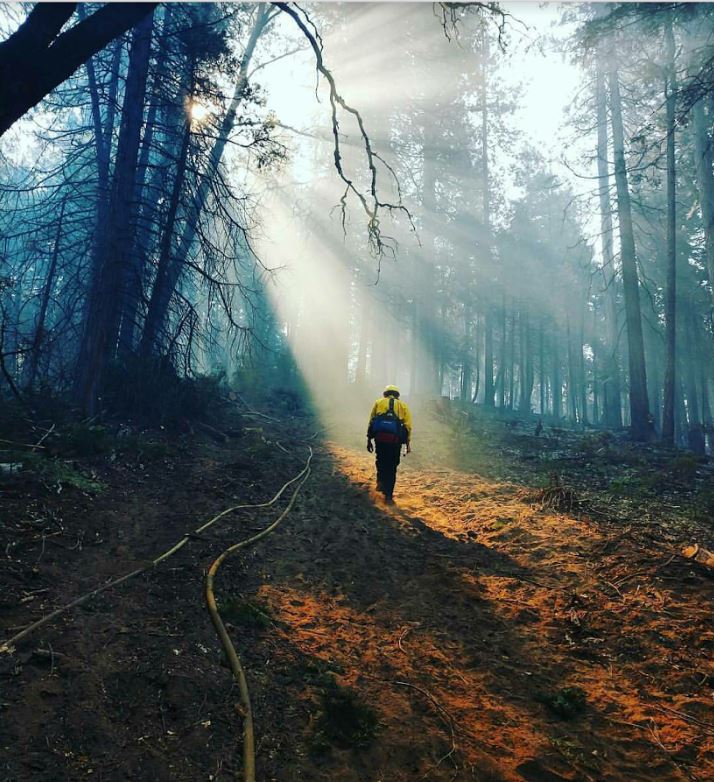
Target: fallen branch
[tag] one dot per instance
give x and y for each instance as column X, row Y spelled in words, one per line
column 446, row 718
column 211, row 431
column 251, row 410
column 32, row 446
column 404, row 634
column 38, row 444
column 686, row 717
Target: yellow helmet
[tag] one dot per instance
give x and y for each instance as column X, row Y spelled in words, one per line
column 391, row 390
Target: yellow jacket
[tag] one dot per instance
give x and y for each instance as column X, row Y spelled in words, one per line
column 400, row 408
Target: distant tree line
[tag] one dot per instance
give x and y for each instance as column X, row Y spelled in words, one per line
column 126, row 227
column 595, row 308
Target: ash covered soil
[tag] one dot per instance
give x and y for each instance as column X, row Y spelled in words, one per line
column 498, row 623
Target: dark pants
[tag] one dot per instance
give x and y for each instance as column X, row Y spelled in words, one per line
column 387, row 462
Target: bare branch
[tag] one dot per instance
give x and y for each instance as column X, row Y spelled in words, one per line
column 370, row 203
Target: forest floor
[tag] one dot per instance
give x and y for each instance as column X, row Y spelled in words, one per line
column 497, row 624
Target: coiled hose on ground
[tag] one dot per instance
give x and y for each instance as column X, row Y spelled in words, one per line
column 231, row 655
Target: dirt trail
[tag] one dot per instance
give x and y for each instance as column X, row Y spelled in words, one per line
column 469, row 594
column 457, row 617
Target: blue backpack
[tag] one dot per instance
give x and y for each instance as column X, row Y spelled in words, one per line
column 387, row 427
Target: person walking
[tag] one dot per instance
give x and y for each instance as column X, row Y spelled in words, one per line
column 390, row 426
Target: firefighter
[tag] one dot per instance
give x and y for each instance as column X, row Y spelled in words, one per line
column 390, row 426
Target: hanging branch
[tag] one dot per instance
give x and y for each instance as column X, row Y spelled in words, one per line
column 452, row 13
column 371, row 204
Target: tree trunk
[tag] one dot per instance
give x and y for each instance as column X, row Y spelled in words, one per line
column 705, row 181
column 670, row 303
column 611, row 384
column 512, row 361
column 466, row 354
column 501, row 376
column 557, row 388
column 572, row 382
column 361, row 368
column 695, row 433
column 656, row 372
column 640, row 420
column 488, row 389
column 596, row 400
column 134, row 282
column 97, row 344
column 430, row 284
column 486, row 212
column 477, row 362
column 680, row 417
column 44, row 302
column 706, row 407
column 165, row 283
column 541, row 368
column 103, row 133
column 161, row 297
column 527, row 366
column 521, row 358
column 582, row 370
column 414, row 364
column 704, row 386
column 103, row 129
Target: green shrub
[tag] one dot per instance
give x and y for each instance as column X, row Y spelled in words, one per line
column 57, row 473
column 145, row 450
column 151, row 390
column 345, row 720
column 683, row 468
column 638, row 485
column 82, row 439
column 244, row 613
column 703, row 509
column 595, row 443
column 321, row 672
column 567, row 703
